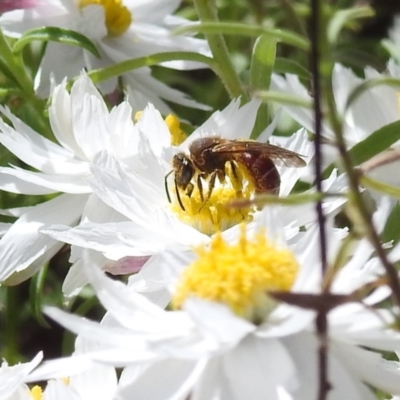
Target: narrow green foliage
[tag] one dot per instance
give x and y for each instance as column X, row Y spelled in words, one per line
column 54, row 34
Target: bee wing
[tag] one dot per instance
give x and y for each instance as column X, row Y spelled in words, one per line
column 278, row 155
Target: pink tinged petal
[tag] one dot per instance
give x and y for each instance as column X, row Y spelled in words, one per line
column 256, row 368
column 8, row 5
column 23, row 243
column 126, row 265
column 28, row 182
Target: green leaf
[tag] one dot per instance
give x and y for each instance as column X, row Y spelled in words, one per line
column 343, row 18
column 375, row 143
column 379, row 186
column 391, row 230
column 232, row 28
column 287, row 66
column 55, row 35
column 261, row 67
column 102, row 74
column 291, row 200
column 392, row 48
column 283, row 98
column 35, row 295
column 7, row 72
column 262, row 62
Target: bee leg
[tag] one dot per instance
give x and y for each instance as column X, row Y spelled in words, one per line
column 189, row 189
column 211, row 184
column 234, row 170
column 200, row 186
column 178, row 196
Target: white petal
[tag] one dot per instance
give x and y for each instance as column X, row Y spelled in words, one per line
column 12, row 377
column 59, row 390
column 371, row 368
column 233, row 122
column 257, row 367
column 24, row 234
column 36, row 150
column 174, row 385
column 51, row 183
column 60, row 61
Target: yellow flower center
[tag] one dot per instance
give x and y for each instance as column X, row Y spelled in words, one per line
column 239, row 275
column 36, row 393
column 209, row 209
column 174, row 126
column 118, row 18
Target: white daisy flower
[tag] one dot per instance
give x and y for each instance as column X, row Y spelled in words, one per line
column 225, row 338
column 75, row 377
column 374, row 109
column 83, row 127
column 13, row 378
column 121, row 30
column 155, row 223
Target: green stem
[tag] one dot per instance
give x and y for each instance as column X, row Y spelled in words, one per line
column 11, row 325
column 21, row 77
column 207, row 13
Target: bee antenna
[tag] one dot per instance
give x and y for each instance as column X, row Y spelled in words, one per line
column 166, row 185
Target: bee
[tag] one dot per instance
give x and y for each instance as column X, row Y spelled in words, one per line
column 207, row 160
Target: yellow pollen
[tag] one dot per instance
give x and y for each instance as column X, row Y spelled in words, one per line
column 36, row 393
column 239, row 275
column 118, row 18
column 214, row 213
column 174, row 126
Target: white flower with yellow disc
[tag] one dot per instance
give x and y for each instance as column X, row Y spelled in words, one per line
column 155, row 224
column 120, row 30
column 225, row 338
